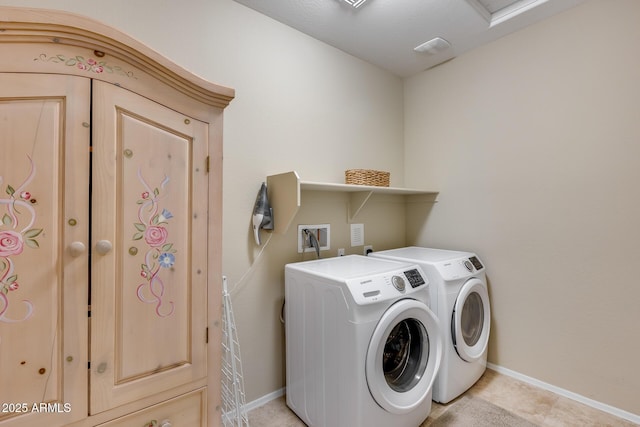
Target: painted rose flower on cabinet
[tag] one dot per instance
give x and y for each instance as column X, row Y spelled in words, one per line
column 151, row 228
column 16, row 231
column 155, row 236
column 11, row 243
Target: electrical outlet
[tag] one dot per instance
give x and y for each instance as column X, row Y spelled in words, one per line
column 367, row 249
column 322, row 233
column 341, row 252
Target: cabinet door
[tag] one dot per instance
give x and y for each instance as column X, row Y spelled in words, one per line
column 149, row 248
column 44, row 226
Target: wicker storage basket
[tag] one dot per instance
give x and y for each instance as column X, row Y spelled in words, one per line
column 367, row 177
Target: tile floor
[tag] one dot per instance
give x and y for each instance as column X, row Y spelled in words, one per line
column 538, row 406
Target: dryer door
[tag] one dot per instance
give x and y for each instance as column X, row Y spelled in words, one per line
column 471, row 320
column 403, row 357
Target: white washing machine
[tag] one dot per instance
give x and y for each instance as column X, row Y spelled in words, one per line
column 460, row 299
column 362, row 346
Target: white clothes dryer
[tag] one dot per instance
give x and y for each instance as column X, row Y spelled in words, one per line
column 362, row 346
column 460, row 299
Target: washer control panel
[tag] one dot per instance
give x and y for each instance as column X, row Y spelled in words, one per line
column 371, row 289
column 415, row 278
column 398, row 283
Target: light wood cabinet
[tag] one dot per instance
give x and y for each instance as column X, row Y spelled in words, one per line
column 110, row 229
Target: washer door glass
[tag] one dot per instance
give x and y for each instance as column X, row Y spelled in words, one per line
column 403, row 357
column 470, row 321
column 403, row 361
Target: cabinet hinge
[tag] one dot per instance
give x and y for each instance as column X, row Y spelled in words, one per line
column 207, row 165
column 206, row 340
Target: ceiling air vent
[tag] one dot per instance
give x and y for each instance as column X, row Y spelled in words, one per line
column 433, row 46
column 355, row 3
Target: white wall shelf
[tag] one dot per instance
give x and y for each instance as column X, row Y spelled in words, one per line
column 284, row 196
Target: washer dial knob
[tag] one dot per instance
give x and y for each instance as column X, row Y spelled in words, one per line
column 398, row 283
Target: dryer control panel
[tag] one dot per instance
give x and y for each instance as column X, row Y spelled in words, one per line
column 381, row 287
column 459, row 268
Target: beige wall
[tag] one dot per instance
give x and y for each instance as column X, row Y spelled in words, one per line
column 300, row 105
column 534, row 143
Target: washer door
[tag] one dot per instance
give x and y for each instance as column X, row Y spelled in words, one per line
column 470, row 321
column 403, row 357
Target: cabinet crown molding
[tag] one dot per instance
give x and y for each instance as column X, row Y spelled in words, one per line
column 66, row 43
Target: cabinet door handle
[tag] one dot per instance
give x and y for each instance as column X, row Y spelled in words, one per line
column 103, row 247
column 76, row 249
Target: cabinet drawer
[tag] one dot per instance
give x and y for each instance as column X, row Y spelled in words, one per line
column 188, row 410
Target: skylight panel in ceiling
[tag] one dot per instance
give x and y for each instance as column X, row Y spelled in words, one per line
column 497, row 11
column 492, row 6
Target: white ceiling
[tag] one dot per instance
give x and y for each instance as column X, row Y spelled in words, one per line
column 385, row 32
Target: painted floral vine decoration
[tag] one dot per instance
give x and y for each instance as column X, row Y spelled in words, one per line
column 85, row 64
column 151, row 227
column 17, row 207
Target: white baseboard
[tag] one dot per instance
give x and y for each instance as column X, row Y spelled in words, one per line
column 566, row 393
column 264, row 399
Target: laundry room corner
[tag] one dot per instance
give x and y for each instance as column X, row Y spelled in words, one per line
column 532, row 142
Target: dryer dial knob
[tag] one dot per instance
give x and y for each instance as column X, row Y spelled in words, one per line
column 468, row 265
column 398, row 283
